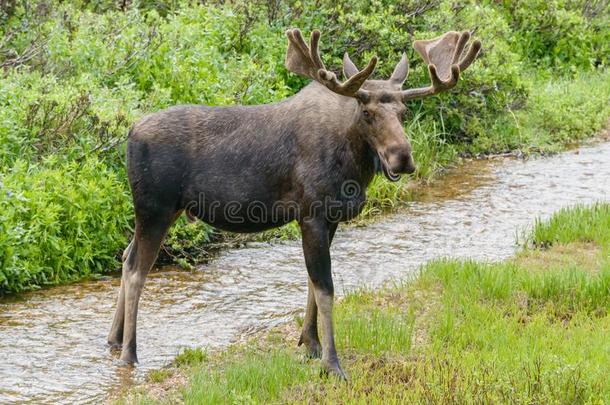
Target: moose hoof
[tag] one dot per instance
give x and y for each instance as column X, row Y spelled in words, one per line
column 314, row 349
column 333, row 369
column 115, row 339
column 128, row 357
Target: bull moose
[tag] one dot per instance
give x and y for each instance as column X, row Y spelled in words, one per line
column 291, row 159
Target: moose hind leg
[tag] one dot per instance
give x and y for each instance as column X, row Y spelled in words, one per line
column 309, row 334
column 140, row 258
column 115, row 337
column 317, row 259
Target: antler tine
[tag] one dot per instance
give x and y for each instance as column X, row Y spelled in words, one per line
column 297, row 39
column 437, row 51
column 305, row 60
column 437, row 86
column 314, row 52
column 461, row 44
column 471, row 55
column 353, row 84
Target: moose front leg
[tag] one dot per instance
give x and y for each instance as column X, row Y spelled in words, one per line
column 309, row 334
column 316, row 243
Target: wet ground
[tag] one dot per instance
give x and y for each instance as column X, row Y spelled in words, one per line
column 53, row 342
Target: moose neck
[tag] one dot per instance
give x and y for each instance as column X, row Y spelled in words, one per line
column 366, row 155
column 334, row 118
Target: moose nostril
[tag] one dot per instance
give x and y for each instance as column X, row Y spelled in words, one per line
column 410, row 165
column 410, row 168
column 401, row 162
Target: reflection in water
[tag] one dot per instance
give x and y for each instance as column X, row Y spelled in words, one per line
column 53, row 342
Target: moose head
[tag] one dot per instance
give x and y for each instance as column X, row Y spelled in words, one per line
column 381, row 107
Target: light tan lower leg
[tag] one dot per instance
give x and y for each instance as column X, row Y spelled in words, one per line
column 134, row 283
column 141, row 258
column 324, row 302
column 309, row 334
column 115, row 337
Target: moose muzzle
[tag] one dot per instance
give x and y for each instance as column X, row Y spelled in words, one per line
column 397, row 160
column 401, row 162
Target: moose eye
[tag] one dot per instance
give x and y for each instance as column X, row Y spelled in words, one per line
column 366, row 113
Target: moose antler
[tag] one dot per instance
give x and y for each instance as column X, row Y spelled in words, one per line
column 445, row 62
column 305, row 61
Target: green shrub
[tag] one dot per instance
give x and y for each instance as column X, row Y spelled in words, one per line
column 558, row 112
column 564, row 34
column 186, row 242
column 59, row 222
column 41, row 115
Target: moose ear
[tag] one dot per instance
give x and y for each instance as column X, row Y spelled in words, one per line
column 401, row 71
column 349, row 69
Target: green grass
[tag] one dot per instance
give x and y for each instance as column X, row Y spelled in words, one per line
column 160, row 375
column 191, row 356
column 531, row 329
column 253, row 376
column 580, row 223
column 560, row 111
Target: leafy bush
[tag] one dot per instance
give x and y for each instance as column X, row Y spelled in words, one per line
column 558, row 112
column 60, row 222
column 41, row 115
column 565, row 34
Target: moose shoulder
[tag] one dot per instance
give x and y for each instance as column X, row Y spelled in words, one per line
column 308, row 158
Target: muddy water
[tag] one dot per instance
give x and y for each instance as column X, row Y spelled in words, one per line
column 52, row 343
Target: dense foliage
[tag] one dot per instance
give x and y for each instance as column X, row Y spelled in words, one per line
column 76, row 75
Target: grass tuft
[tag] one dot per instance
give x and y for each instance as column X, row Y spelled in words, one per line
column 191, row 357
column 579, row 223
